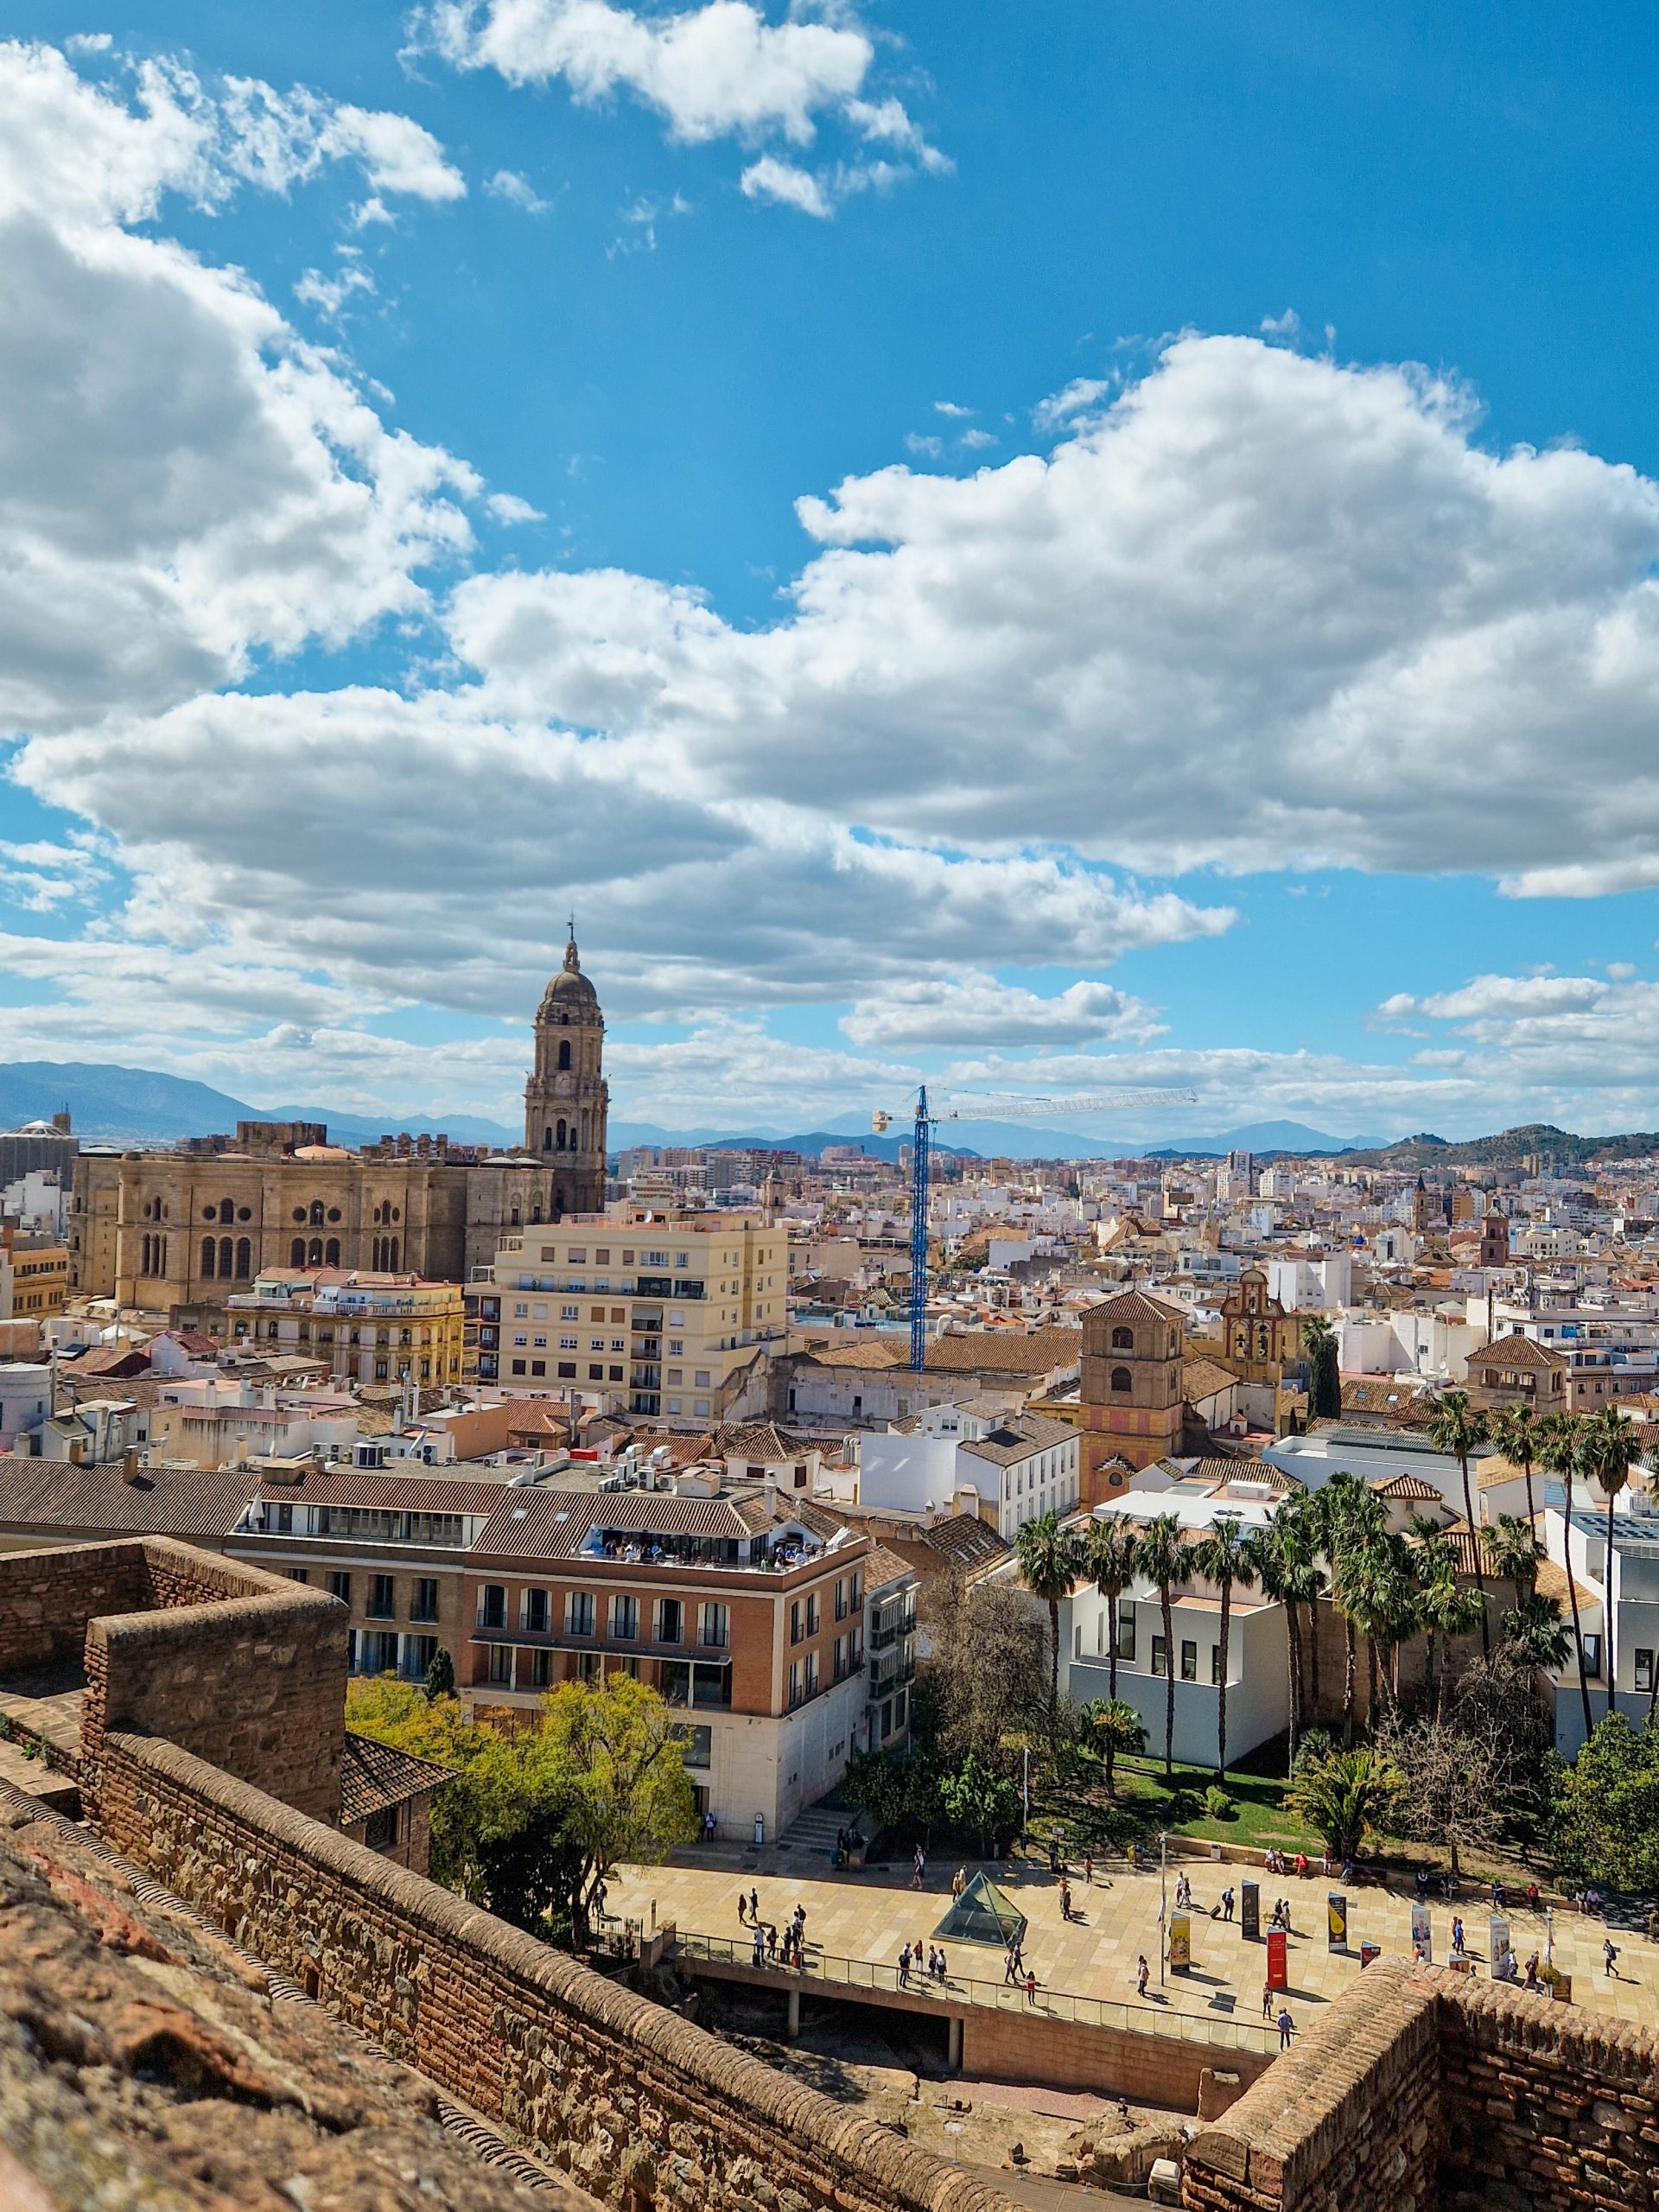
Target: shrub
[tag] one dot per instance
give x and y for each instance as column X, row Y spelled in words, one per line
column 1219, row 1805
column 1183, row 1805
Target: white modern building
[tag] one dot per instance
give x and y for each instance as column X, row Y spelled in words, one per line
column 975, row 1458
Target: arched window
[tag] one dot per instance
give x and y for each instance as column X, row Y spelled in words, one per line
column 558, row 1203
column 243, row 1258
column 226, row 1255
column 1122, row 1379
column 547, row 1138
column 209, row 1254
column 316, row 1213
column 564, row 1051
column 313, row 1253
column 1122, row 1339
column 227, row 1210
column 331, row 1253
column 297, row 1252
column 558, row 1141
column 392, row 1262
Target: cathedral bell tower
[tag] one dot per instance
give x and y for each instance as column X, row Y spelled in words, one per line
column 567, row 1098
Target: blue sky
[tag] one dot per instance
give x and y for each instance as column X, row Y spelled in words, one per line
column 1106, row 549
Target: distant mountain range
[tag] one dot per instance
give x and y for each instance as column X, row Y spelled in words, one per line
column 1509, row 1147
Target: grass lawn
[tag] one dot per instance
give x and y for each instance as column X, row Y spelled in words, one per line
column 1082, row 1812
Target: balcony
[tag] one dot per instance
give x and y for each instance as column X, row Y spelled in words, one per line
column 885, row 1628
column 894, row 1674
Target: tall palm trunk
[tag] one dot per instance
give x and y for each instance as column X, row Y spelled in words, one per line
column 1221, row 1691
column 1111, row 1658
column 1526, row 1469
column 1607, row 1607
column 1053, row 1662
column 1373, row 1697
column 1169, row 1680
column 1313, row 1656
column 1578, row 1630
column 1474, row 1539
column 1350, row 1670
column 1294, row 1656
column 1429, row 1682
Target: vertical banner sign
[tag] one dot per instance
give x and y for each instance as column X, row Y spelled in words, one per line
column 1497, row 1941
column 1251, row 1911
column 1278, row 1960
column 1180, row 1942
column 1335, row 1906
column 1368, row 1952
column 1422, row 1934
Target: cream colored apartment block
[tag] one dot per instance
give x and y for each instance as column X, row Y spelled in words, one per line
column 673, row 1317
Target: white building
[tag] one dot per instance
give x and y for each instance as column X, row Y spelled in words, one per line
column 1577, row 1542
column 1004, row 1468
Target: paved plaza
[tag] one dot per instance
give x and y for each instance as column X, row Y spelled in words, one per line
column 871, row 1917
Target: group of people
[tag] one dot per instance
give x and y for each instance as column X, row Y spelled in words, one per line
column 1280, row 1916
column 1016, row 1970
column 848, row 1841
column 911, row 1959
column 770, row 1948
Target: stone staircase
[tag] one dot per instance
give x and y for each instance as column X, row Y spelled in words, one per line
column 813, row 1832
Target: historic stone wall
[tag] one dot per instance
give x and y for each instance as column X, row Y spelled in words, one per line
column 49, row 1597
column 642, row 2108
column 1418, row 2086
column 1155, row 2069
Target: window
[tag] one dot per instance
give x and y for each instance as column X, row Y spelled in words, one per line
column 596, row 1374
column 382, row 1601
column 1215, row 1663
column 700, row 1378
column 297, row 1573
column 814, row 1614
column 796, row 1623
column 423, row 1606
column 667, row 1624
column 537, row 1611
column 625, row 1619
column 841, row 1598
column 493, row 1606
column 419, row 1652
column 339, row 1586
column 794, row 1681
column 698, row 1746
column 380, row 1829
column 812, row 1674
column 501, row 1664
column 1122, row 1339
column 615, row 1374
column 1158, row 1666
column 377, row 1652
column 1123, row 1380
column 1593, row 1653
column 579, row 1613
column 1125, row 1633
column 541, row 1669
column 567, row 1370
column 1643, row 1669
column 715, row 1627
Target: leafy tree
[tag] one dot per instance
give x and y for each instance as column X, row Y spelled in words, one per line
column 1470, row 1771
column 1286, row 1562
column 981, row 1804
column 1051, row 1560
column 1607, row 1807
column 1109, row 1562
column 1226, row 1558
column 1324, row 1378
column 1164, row 1559
column 1345, row 1797
column 441, row 1674
column 630, row 1797
column 897, row 1789
column 983, row 1684
column 1559, row 1436
column 1610, row 1448
column 1517, row 1433
column 1116, row 1732
column 1454, row 1427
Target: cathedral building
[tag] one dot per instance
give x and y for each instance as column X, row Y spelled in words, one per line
column 158, row 1230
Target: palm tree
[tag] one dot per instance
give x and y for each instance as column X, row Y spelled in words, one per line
column 1394, row 1593
column 1558, row 1454
column 1344, row 1798
column 1351, row 1518
column 1457, row 1428
column 1512, row 1552
column 1532, row 1630
column 1164, row 1559
column 1283, row 1555
column 1516, row 1432
column 1117, row 1729
column 1445, row 1609
column 1110, row 1552
column 1225, row 1557
column 1051, row 1558
column 1611, row 1448
column 1324, row 1381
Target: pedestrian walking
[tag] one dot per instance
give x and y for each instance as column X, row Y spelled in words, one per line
column 940, row 1969
column 919, row 1867
column 904, row 1968
column 1031, row 1986
column 1089, row 1867
column 759, row 1947
column 1267, row 2000
column 1532, row 1971
column 754, row 1905
column 1287, row 2028
column 1065, row 1899
column 1143, row 1975
column 1457, row 1933
column 1227, row 1904
column 1610, row 1952
column 1008, row 1965
column 742, row 1909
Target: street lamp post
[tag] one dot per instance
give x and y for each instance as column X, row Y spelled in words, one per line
column 1163, row 1905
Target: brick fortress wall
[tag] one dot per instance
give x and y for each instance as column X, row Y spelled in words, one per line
column 1420, row 2086
column 636, row 2104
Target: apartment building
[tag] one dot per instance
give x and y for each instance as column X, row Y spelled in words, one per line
column 669, row 1318
column 789, row 1642
column 33, row 1275
column 368, row 1328
column 974, row 1456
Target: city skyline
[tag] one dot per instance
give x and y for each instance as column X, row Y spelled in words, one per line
column 934, row 541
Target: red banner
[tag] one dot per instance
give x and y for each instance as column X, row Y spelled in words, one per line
column 1278, row 1960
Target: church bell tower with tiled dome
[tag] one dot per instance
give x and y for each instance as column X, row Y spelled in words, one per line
column 567, row 1098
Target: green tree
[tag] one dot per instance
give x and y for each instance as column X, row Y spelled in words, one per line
column 1611, row 1449
column 1286, row 1562
column 441, row 1674
column 1345, row 1797
column 1165, row 1560
column 629, row 1799
column 1454, row 1427
column 1227, row 1558
column 1516, row 1433
column 1051, row 1560
column 1558, row 1453
column 1445, row 1610
column 1512, row 1552
column 980, row 1802
column 1109, row 1563
column 1532, row 1630
column 1607, row 1807
column 1324, row 1378
column 1352, row 1520
column 1116, row 1731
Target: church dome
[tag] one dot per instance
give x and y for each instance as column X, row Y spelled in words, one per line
column 570, row 996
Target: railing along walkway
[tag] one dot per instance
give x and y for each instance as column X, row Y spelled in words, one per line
column 960, row 1989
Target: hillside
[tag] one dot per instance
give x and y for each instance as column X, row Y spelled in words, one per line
column 1509, row 1148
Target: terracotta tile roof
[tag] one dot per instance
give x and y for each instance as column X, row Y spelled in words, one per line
column 1407, row 1487
column 967, row 1541
column 166, row 1499
column 763, row 1442
column 881, row 1567
column 1203, row 1378
column 1132, row 1306
column 684, row 1447
column 966, row 1351
column 374, row 1778
column 1517, row 1352
column 381, row 1490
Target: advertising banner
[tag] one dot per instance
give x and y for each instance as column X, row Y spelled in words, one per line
column 1368, row 1952
column 1497, row 1942
column 1249, row 1894
column 1180, row 1942
column 1278, row 1960
column 1335, row 1914
column 1422, row 1934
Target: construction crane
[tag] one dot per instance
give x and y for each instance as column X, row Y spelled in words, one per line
column 989, row 1106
